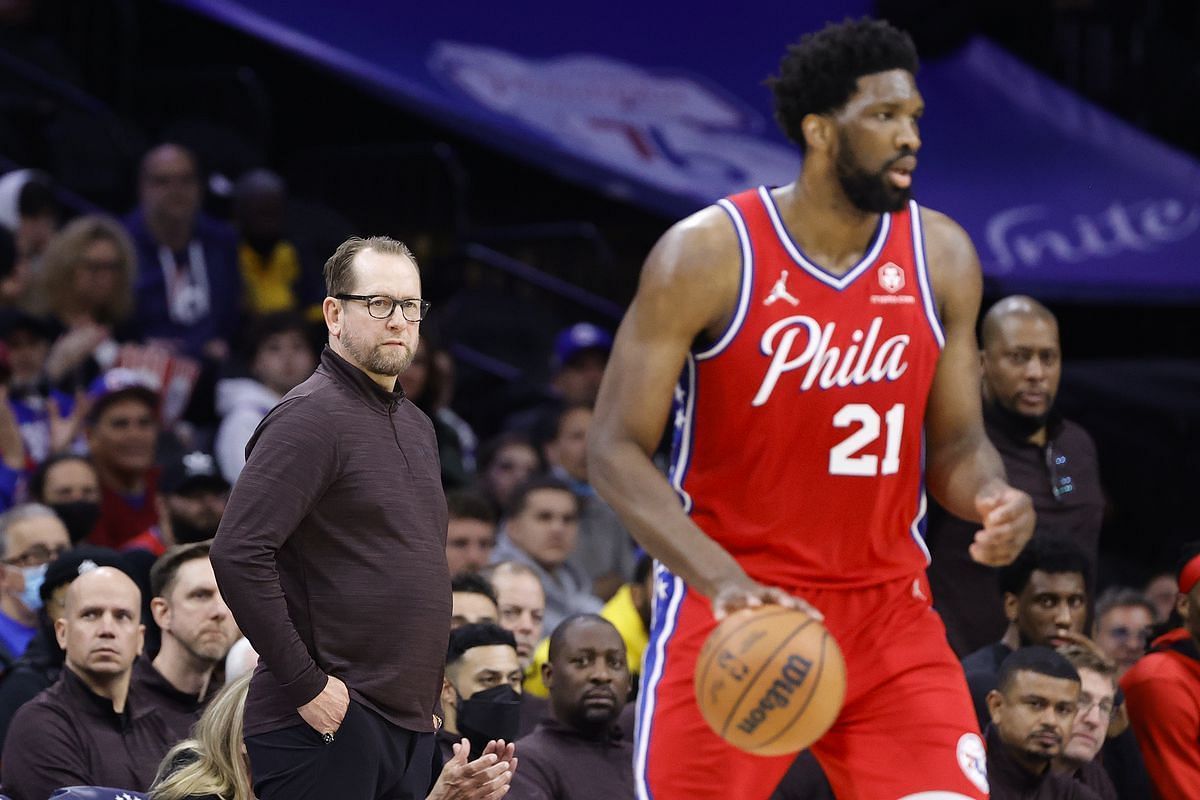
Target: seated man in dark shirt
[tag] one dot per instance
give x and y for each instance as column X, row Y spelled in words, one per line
column 588, row 679
column 197, row 632
column 481, row 690
column 89, row 728
column 1097, row 704
column 1045, row 600
column 1032, row 710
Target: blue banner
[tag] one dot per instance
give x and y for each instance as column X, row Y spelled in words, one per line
column 664, row 104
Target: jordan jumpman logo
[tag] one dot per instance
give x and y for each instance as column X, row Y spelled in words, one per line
column 780, row 292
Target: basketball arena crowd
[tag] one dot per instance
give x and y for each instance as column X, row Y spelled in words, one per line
column 139, row 351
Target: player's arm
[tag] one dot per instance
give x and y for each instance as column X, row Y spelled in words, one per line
column 963, row 470
column 688, row 287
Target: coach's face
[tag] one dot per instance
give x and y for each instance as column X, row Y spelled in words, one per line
column 382, row 347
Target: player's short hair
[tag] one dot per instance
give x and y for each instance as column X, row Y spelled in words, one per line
column 564, row 627
column 473, row 583
column 1050, row 554
column 1037, row 659
column 470, row 504
column 820, row 73
column 339, row 269
column 166, row 568
column 479, row 634
column 1085, row 658
column 537, row 483
column 1122, row 597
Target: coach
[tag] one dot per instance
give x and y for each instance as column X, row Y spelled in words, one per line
column 331, row 554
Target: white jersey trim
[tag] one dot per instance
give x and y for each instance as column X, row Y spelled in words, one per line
column 918, row 237
column 838, row 282
column 743, row 304
column 655, row 657
column 683, row 455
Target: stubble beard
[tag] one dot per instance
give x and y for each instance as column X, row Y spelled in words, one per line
column 377, row 359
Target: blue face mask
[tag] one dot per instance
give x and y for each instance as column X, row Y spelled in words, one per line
column 32, row 596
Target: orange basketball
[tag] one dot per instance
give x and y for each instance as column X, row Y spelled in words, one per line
column 770, row 680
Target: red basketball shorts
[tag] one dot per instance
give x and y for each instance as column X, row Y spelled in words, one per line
column 907, row 729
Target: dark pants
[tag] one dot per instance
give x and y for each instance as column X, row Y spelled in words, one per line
column 369, row 759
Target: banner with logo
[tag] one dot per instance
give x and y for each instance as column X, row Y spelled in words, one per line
column 664, row 104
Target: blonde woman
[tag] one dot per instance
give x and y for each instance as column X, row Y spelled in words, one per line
column 84, row 284
column 212, row 765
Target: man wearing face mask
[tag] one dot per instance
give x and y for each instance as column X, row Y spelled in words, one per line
column 31, row 536
column 1050, row 458
column 69, row 485
column 42, row 662
column 481, row 690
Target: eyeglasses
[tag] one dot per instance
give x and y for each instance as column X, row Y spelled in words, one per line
column 1124, row 634
column 1087, row 703
column 380, row 306
column 36, row 556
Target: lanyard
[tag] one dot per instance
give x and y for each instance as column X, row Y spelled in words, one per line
column 187, row 284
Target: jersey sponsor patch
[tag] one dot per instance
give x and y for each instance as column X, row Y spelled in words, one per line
column 891, row 277
column 972, row 759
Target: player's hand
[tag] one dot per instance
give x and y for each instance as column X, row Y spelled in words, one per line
column 485, row 778
column 1008, row 521
column 325, row 712
column 735, row 596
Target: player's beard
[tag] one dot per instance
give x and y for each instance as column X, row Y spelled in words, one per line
column 377, row 359
column 869, row 191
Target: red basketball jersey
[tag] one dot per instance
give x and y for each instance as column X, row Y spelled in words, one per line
column 799, row 433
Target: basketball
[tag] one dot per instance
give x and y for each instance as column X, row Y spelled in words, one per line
column 770, row 680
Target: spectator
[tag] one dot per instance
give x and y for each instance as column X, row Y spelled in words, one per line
column 85, row 286
column 628, row 611
column 122, row 430
column 194, row 494
column 187, row 276
column 541, row 531
column 49, row 421
column 505, row 463
column 1124, row 626
column 210, row 764
column 1162, row 691
column 1032, row 710
column 30, row 538
column 577, row 366
column 472, row 600
column 1051, row 458
column 1045, row 602
column 422, row 385
column 604, row 550
column 588, row 678
column 481, row 689
column 444, row 365
column 281, row 358
column 1161, row 590
column 522, row 604
column 471, row 534
column 89, row 729
column 29, row 210
column 273, row 277
column 41, row 665
column 1097, row 704
column 69, row 485
column 197, row 632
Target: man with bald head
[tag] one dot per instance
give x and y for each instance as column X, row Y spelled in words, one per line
column 1051, row 458
column 187, row 285
column 89, row 728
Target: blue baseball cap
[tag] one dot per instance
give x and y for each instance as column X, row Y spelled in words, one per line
column 579, row 338
column 122, row 382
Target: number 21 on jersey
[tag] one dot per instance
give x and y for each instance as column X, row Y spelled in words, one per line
column 846, row 457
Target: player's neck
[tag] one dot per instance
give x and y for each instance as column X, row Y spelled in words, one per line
column 823, row 221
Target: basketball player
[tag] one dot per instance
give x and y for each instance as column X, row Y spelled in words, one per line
column 824, row 331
